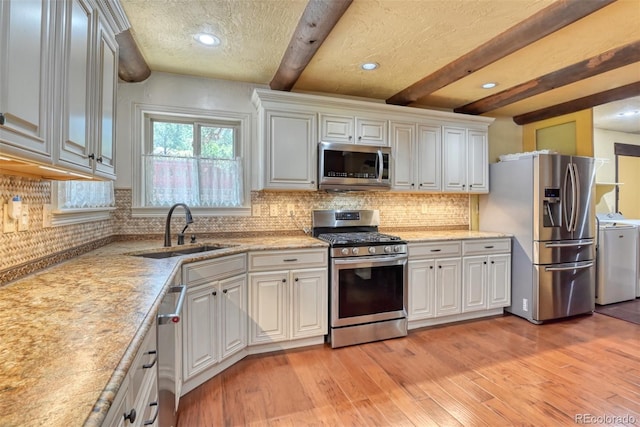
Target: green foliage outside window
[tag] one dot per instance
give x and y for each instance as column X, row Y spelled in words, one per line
column 177, row 140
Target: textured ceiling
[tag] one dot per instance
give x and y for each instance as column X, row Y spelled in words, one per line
column 410, row 39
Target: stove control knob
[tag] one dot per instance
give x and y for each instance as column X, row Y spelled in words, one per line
column 344, row 251
column 396, row 248
column 387, row 249
column 372, row 250
column 355, row 251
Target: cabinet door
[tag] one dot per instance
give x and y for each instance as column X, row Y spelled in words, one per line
column 310, row 299
column 76, row 94
column 429, row 158
column 474, row 283
column 402, row 143
column 106, row 75
column 499, row 281
column 448, row 284
column 336, row 128
column 478, row 162
column 421, row 289
column 454, row 155
column 291, row 150
column 233, row 312
column 268, row 307
column 26, row 77
column 371, row 131
column 199, row 340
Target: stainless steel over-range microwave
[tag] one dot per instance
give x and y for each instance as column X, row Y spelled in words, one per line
column 348, row 167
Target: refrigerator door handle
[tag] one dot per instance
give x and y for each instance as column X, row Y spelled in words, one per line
column 576, row 195
column 565, row 191
column 573, row 267
column 587, row 242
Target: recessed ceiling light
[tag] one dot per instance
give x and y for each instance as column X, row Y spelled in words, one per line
column 368, row 66
column 207, row 39
column 489, row 85
column 629, row 113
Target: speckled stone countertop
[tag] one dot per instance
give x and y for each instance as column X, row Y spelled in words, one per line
column 428, row 236
column 69, row 333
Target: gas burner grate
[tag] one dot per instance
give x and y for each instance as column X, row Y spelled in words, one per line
column 357, row 237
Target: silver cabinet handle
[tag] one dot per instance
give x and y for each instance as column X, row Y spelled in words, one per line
column 175, row 316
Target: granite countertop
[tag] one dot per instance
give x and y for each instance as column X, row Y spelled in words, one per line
column 69, row 333
column 431, row 235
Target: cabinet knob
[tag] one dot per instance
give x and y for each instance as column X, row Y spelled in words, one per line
column 1, row 119
column 284, row 280
column 359, row 138
column 350, row 137
column 131, row 416
column 485, row 262
column 91, row 156
column 492, row 262
column 431, row 267
column 439, row 266
column 225, row 291
column 214, row 293
column 296, row 279
column 99, row 159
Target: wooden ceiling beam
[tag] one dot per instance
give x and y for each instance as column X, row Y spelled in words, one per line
column 537, row 26
column 622, row 92
column 316, row 22
column 131, row 64
column 607, row 61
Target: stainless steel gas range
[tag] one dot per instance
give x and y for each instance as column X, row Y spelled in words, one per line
column 368, row 277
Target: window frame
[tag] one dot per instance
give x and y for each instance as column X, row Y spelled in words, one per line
column 141, row 144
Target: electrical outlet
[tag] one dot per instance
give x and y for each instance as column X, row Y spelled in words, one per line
column 23, row 222
column 46, row 216
column 525, row 304
column 9, row 225
column 273, row 209
column 290, row 209
column 255, row 210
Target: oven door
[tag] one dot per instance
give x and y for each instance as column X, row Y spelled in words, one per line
column 365, row 290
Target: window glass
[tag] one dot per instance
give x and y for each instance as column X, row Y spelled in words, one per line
column 172, row 139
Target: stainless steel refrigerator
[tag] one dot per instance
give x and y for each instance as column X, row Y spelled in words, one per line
column 546, row 201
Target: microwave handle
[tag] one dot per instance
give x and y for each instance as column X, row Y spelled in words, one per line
column 380, row 166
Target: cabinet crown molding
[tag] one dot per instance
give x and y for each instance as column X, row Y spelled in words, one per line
column 322, row 103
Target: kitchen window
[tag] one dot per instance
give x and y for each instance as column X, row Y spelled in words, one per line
column 193, row 157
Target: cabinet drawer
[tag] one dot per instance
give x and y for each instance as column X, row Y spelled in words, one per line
column 286, row 259
column 486, row 246
column 214, row 269
column 434, row 250
column 144, row 365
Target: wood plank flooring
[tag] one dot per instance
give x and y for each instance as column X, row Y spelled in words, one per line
column 496, row 372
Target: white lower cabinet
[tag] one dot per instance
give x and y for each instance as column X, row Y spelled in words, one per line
column 458, row 280
column 136, row 402
column 288, row 303
column 215, row 316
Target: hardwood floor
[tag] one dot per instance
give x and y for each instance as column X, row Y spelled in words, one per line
column 496, row 372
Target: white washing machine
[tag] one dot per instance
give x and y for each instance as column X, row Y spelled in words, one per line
column 617, row 219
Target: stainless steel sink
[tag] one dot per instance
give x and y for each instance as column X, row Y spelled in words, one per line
column 179, row 251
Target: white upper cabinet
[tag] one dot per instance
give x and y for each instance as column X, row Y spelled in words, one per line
column 353, row 129
column 75, row 83
column 465, row 160
column 416, row 156
column 26, row 55
column 432, row 151
column 58, row 71
column 88, row 84
column 291, row 150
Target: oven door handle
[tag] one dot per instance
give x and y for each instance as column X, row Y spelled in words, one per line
column 393, row 259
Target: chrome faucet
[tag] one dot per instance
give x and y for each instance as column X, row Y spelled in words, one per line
column 167, row 228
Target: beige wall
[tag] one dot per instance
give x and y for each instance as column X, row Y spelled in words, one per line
column 582, row 133
column 603, row 141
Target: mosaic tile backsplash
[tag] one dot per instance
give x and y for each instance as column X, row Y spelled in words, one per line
column 26, row 251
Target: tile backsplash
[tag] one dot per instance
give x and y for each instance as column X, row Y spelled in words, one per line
column 27, row 251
